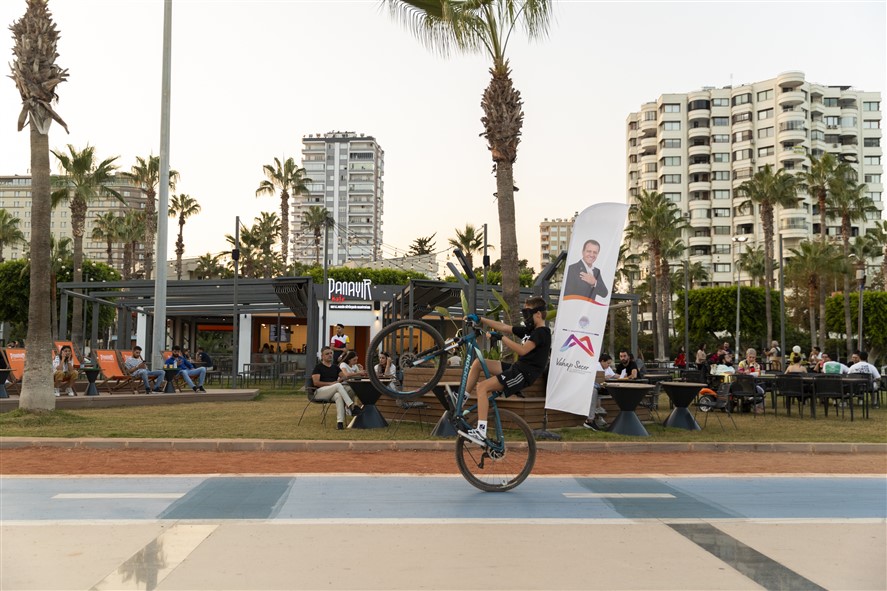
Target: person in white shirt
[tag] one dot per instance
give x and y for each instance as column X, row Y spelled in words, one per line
column 596, row 413
column 861, row 365
column 63, row 372
column 832, row 367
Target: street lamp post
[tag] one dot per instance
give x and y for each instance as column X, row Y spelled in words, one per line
column 860, row 277
column 739, row 240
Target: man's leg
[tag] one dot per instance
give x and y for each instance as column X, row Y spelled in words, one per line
column 187, row 378
column 201, row 373
column 595, row 402
column 494, row 367
column 336, row 393
column 158, row 375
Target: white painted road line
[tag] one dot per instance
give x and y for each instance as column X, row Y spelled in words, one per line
column 119, row 496
column 619, row 495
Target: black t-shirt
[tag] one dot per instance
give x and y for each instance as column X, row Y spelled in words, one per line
column 533, row 363
column 631, row 366
column 327, row 374
column 203, row 357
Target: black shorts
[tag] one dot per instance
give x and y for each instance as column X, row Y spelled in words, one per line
column 514, row 380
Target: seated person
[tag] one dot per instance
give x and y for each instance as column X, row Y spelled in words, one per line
column 724, row 365
column 350, row 367
column 639, row 362
column 681, row 360
column 626, row 369
column 204, row 358
column 186, row 369
column 861, row 365
column 386, row 369
column 596, row 413
column 750, row 363
column 328, row 378
column 63, row 372
column 827, row 366
column 454, row 361
column 795, row 364
column 135, row 366
column 774, row 355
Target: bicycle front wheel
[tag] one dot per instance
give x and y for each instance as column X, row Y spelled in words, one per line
column 494, row 471
column 417, row 349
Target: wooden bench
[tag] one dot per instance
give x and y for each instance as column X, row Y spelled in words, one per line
column 531, row 408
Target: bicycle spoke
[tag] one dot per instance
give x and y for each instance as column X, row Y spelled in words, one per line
column 496, row 470
column 417, row 351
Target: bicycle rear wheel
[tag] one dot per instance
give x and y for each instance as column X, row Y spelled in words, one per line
column 417, row 349
column 493, row 471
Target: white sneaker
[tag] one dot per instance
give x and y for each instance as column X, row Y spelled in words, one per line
column 70, row 392
column 475, row 436
column 56, row 391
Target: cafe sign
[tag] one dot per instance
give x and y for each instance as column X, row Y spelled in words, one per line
column 339, row 291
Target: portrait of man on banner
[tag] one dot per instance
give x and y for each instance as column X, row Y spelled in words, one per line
column 583, row 278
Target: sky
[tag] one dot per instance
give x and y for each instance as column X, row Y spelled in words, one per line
column 251, row 77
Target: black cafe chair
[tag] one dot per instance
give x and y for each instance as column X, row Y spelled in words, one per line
column 791, row 387
column 862, row 386
column 721, row 402
column 310, row 392
column 829, row 388
column 746, row 389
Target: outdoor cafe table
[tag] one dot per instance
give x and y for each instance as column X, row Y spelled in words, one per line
column 170, row 374
column 627, row 397
column 681, row 395
column 91, row 374
column 370, row 417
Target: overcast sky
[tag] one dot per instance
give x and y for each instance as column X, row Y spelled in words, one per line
column 250, row 78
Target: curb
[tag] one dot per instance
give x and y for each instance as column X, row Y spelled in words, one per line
column 274, row 445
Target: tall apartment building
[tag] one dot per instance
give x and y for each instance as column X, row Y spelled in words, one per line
column 697, row 148
column 554, row 238
column 15, row 197
column 346, row 171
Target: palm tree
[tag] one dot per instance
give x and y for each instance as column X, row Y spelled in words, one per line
column 628, row 266
column 486, row 27
column 752, row 262
column 9, row 231
column 290, row 180
column 60, row 257
column 861, row 250
column 208, row 267
column 82, row 181
column 848, row 203
column 769, row 190
column 265, row 230
column 878, row 235
column 422, row 245
column 183, row 206
column 470, row 241
column 656, row 222
column 131, row 232
column 809, row 263
column 36, row 76
column 107, row 227
column 315, row 219
column 146, row 174
column 698, row 274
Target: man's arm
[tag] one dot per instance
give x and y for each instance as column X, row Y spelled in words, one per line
column 496, row 325
column 599, row 286
column 520, row 348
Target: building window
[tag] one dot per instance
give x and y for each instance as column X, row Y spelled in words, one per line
column 633, row 126
column 871, row 106
column 765, row 132
column 671, row 108
column 650, row 116
column 831, row 121
column 871, row 142
column 873, row 179
column 871, row 161
column 671, row 161
column 871, row 124
column 720, row 121
column 817, row 135
column 765, row 95
column 742, row 136
column 721, row 230
column 673, row 197
column 874, row 195
column 742, row 99
column 720, row 138
column 671, row 179
column 698, row 214
column 720, row 102
column 765, row 114
column 720, row 175
column 720, row 249
column 742, row 117
column 722, row 268
column 720, row 157
column 650, row 167
column 697, row 104
column 650, row 185
column 742, row 155
column 721, row 212
column 722, row 193
column 671, row 125
column 766, row 151
column 830, row 102
column 670, row 143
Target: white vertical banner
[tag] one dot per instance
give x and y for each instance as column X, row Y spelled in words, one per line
column 584, row 303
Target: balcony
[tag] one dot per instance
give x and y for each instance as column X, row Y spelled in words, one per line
column 798, row 134
column 700, row 150
column 849, row 149
column 793, row 154
column 699, row 186
column 699, row 241
column 790, row 79
column 649, row 143
column 790, row 98
column 700, row 167
column 849, row 132
column 648, row 125
column 699, row 131
column 786, row 116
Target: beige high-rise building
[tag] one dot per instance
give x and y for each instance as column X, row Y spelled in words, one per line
column 346, row 170
column 554, row 238
column 697, row 148
column 15, row 197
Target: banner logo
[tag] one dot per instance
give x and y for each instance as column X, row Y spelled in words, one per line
column 574, row 341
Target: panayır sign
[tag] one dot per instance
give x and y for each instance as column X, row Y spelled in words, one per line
column 337, row 291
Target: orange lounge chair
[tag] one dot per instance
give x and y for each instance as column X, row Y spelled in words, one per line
column 111, row 370
column 15, row 360
column 125, row 355
column 74, row 357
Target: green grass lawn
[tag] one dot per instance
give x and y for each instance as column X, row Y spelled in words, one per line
column 275, row 413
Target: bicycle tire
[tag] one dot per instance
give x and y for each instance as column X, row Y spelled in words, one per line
column 506, row 472
column 398, row 339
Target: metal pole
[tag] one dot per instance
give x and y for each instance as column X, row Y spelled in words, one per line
column 687, row 308
column 235, row 344
column 324, row 329
column 860, row 276
column 782, row 306
column 163, row 205
column 738, row 300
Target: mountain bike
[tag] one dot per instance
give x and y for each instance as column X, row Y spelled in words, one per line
column 508, row 456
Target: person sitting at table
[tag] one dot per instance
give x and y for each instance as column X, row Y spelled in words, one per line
column 350, row 367
column 795, row 364
column 204, row 358
column 681, row 360
column 750, row 363
column 596, row 412
column 774, row 355
column 827, row 366
column 135, row 366
column 861, row 365
column 63, row 372
column 626, row 369
column 186, row 369
column 328, row 378
column 724, row 365
column 386, row 369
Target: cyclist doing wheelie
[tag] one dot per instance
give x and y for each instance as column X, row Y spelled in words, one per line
column 532, row 351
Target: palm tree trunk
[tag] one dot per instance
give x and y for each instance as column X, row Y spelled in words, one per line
column 180, row 249
column 848, row 326
column 661, row 311
column 110, row 251
column 36, row 393
column 823, row 331
column 284, row 226
column 508, row 234
column 812, row 291
column 54, row 307
column 78, row 219
column 150, row 231
column 767, row 215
